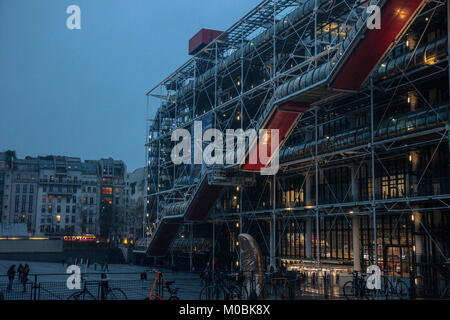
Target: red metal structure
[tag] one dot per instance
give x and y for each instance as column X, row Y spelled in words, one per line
column 202, row 39
column 362, row 57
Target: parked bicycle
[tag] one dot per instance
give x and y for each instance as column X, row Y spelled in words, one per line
column 395, row 288
column 356, row 289
column 106, row 292
column 157, row 291
column 224, row 287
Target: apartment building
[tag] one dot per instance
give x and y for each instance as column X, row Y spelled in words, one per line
column 60, row 195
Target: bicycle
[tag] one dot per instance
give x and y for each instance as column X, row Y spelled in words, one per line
column 356, row 288
column 221, row 289
column 106, row 293
column 157, row 284
column 395, row 288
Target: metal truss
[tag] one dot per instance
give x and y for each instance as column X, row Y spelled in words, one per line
column 236, row 78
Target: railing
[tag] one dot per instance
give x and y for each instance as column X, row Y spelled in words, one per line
column 134, row 285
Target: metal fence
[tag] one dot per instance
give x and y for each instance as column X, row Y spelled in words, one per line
column 135, row 286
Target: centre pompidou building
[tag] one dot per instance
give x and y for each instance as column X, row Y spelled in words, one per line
column 362, row 112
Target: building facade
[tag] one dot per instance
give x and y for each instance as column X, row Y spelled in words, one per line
column 364, row 160
column 134, row 219
column 59, row 195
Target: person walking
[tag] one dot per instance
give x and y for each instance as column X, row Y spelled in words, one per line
column 20, row 272
column 26, row 271
column 11, row 275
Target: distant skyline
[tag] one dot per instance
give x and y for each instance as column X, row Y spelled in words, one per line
column 81, row 93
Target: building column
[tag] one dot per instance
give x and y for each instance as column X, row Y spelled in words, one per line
column 417, row 216
column 308, row 238
column 419, row 246
column 356, row 239
column 309, row 203
column 356, row 243
column 272, row 226
column 191, row 239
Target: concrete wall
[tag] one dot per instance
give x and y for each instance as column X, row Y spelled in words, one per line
column 99, row 255
column 24, row 246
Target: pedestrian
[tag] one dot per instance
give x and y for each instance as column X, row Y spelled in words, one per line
column 20, row 272
column 11, row 275
column 26, row 271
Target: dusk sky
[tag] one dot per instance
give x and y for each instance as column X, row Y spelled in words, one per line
column 82, row 92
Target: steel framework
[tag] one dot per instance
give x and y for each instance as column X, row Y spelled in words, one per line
column 367, row 142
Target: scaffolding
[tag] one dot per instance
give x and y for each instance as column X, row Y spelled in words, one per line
column 364, row 175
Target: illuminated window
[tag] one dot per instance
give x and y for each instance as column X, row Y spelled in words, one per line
column 106, row 190
column 58, row 218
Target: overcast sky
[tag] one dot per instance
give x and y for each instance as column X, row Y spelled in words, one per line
column 82, row 92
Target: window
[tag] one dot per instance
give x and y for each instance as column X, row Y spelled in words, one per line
column 106, row 190
column 73, row 209
column 50, row 198
column 67, row 209
column 43, row 209
column 59, row 199
column 91, row 200
column 85, row 200
column 24, row 188
column 58, row 209
column 74, row 199
column 44, row 198
column 31, row 188
column 50, row 208
column 89, row 189
column 30, row 204
column 58, row 218
column 16, row 204
column 17, row 188
column 73, row 219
